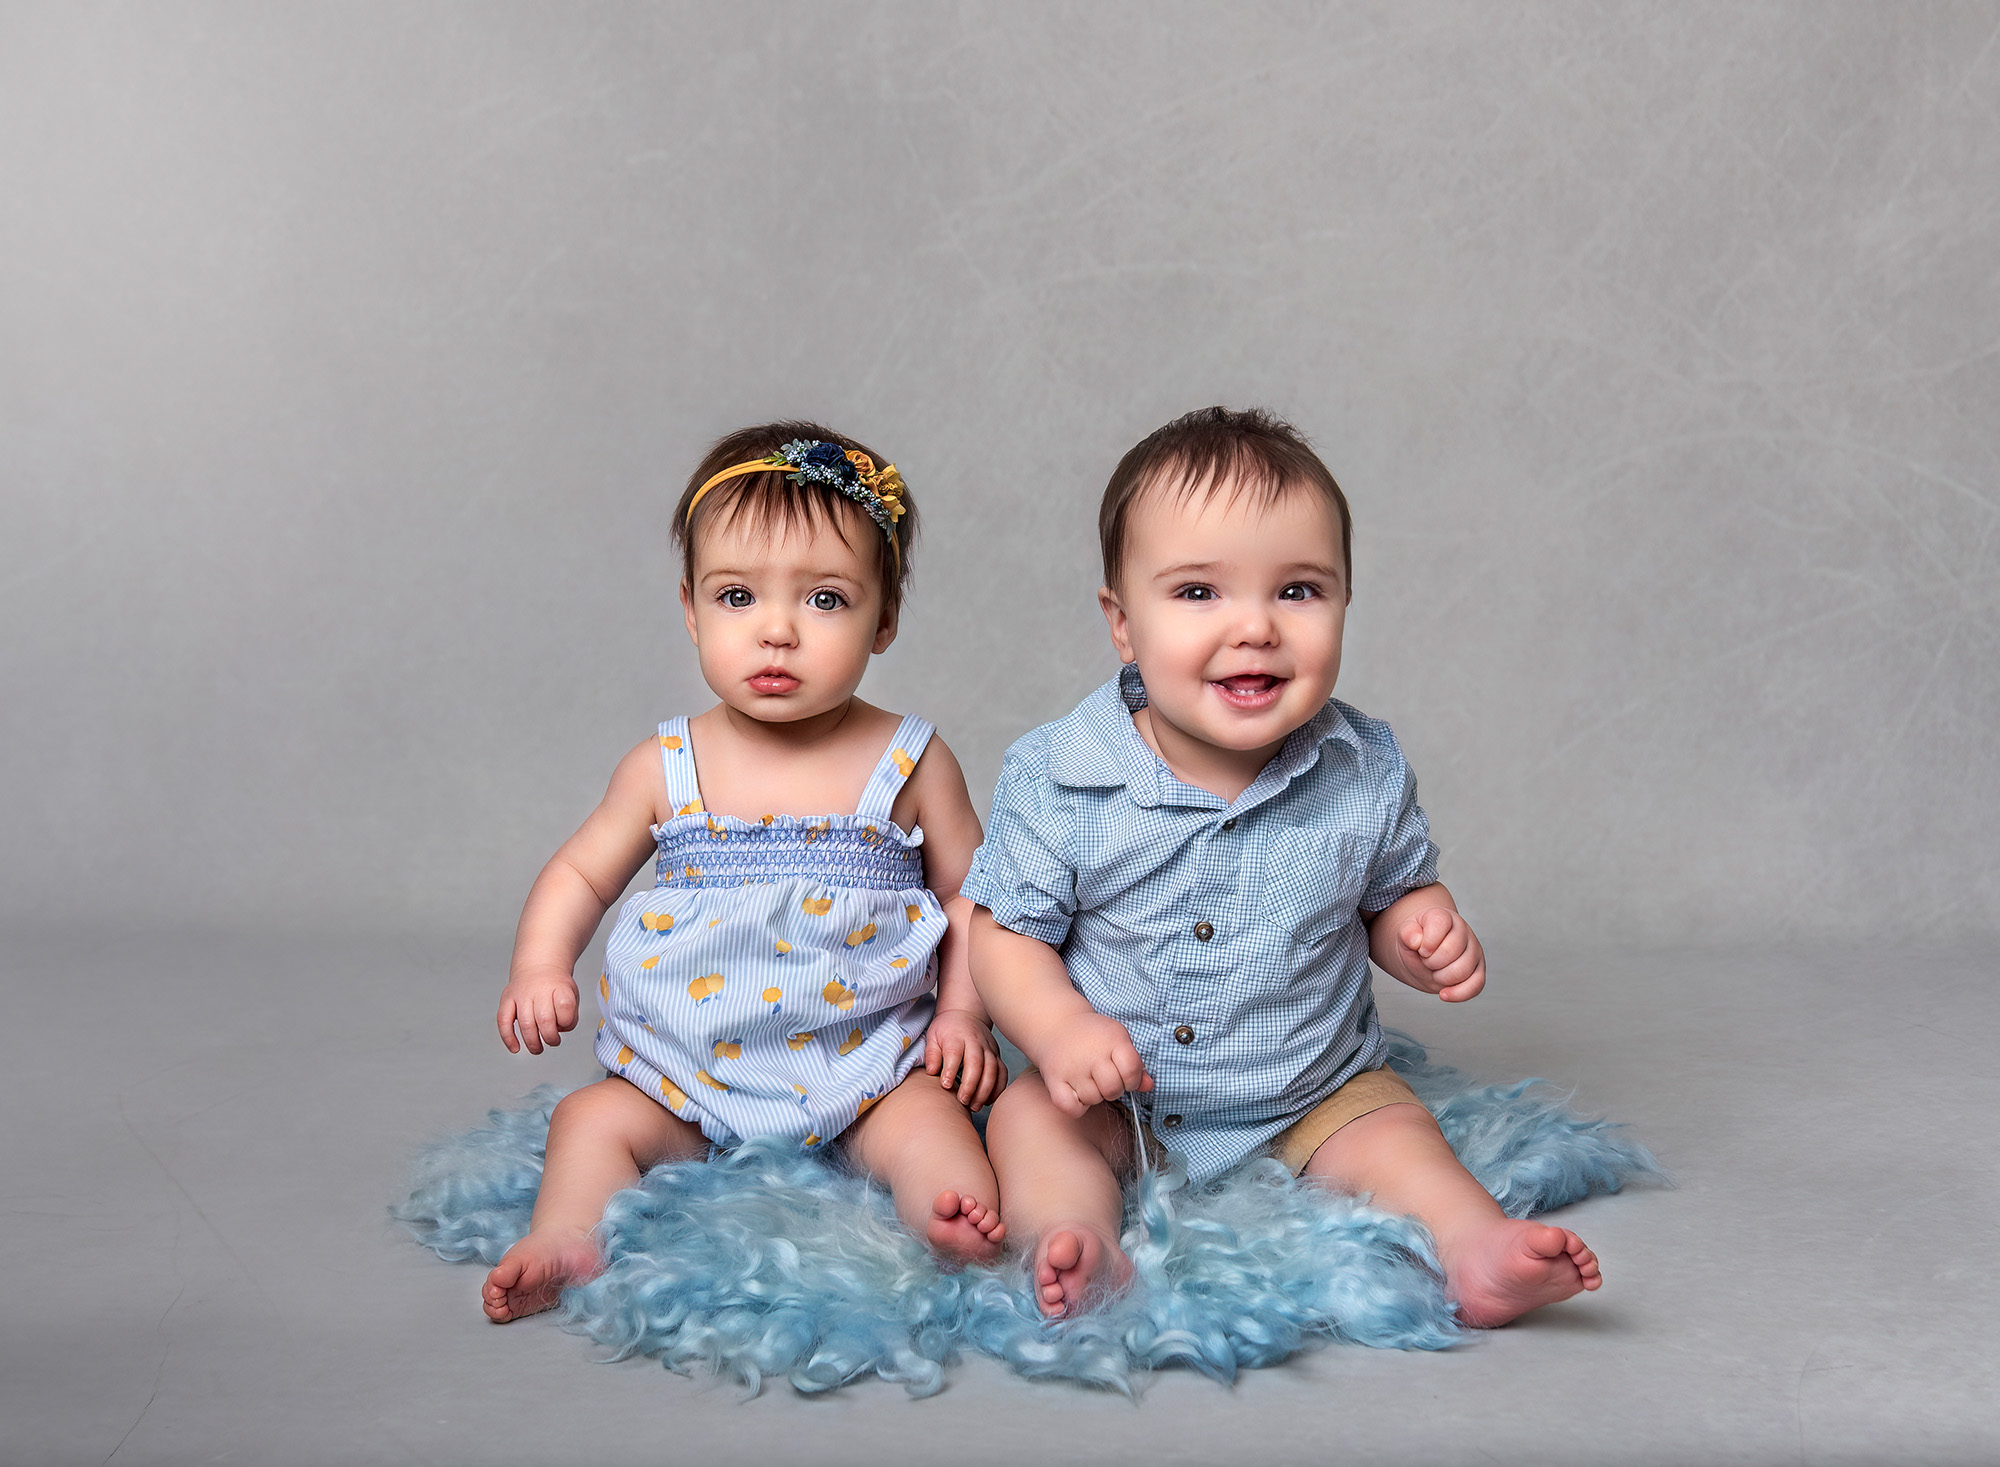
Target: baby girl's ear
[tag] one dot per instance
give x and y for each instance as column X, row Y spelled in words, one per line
column 885, row 630
column 687, row 611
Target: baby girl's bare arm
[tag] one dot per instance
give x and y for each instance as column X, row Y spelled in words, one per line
column 1420, row 939
column 939, row 803
column 583, row 878
column 959, row 1046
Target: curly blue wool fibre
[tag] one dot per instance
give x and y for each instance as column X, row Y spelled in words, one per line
column 769, row 1263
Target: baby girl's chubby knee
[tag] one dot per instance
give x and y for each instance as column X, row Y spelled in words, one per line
column 607, row 1102
column 616, row 1113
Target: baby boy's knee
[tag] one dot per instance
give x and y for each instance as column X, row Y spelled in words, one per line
column 1022, row 1106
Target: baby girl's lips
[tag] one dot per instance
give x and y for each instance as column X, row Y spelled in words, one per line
column 773, row 680
column 1250, row 690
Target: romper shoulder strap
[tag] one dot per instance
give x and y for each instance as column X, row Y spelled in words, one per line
column 677, row 760
column 898, row 763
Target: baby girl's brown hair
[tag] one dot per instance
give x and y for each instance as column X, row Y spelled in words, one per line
column 775, row 503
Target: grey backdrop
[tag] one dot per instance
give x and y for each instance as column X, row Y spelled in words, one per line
column 349, row 357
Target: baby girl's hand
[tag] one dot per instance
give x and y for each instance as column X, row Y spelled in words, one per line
column 1092, row 1061
column 543, row 1004
column 959, row 1049
column 1441, row 956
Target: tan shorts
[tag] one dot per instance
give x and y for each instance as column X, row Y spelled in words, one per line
column 1368, row 1091
column 1294, row 1146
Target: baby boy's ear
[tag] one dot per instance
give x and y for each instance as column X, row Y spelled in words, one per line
column 1114, row 617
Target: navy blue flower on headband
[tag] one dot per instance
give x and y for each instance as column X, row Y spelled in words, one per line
column 829, row 456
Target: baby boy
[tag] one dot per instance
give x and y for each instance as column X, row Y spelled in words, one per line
column 1184, row 880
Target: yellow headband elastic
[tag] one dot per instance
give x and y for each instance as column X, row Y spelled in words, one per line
column 755, row 466
column 880, row 490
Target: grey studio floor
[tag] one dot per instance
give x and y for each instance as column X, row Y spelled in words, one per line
column 205, row 1131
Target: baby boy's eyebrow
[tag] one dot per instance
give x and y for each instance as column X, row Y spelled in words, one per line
column 1209, row 567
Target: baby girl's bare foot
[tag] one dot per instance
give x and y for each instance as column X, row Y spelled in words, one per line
column 1502, row 1272
column 536, row 1270
column 1071, row 1263
column 964, row 1228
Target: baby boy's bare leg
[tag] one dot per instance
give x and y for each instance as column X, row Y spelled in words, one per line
column 1497, row 1267
column 921, row 1141
column 1059, row 1180
column 601, row 1139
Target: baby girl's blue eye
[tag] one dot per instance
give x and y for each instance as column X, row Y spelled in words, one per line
column 736, row 598
column 826, row 600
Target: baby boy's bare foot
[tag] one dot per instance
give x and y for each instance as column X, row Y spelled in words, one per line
column 964, row 1228
column 1502, row 1272
column 1071, row 1263
column 536, row 1270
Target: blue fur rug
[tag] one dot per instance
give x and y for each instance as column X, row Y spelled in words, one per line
column 769, row 1263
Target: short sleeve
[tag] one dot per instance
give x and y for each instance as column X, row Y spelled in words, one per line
column 1406, row 859
column 1024, row 873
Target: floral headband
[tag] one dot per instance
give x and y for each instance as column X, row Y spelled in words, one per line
column 846, row 471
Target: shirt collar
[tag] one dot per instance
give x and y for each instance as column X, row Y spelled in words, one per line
column 1101, row 749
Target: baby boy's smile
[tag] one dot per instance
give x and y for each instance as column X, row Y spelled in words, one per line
column 1233, row 604
column 1250, row 690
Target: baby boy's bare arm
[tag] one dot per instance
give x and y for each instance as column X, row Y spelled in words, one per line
column 1085, row 1057
column 1420, row 939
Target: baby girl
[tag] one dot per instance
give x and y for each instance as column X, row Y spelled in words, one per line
column 800, row 968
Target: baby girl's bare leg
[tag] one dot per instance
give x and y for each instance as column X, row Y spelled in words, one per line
column 601, row 1138
column 1059, row 1178
column 1497, row 1267
column 921, row 1141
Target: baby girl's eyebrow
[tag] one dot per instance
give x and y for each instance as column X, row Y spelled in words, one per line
column 724, row 572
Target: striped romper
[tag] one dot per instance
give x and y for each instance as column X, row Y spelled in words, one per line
column 777, row 977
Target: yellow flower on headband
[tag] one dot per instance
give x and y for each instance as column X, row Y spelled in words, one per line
column 888, row 487
column 884, row 483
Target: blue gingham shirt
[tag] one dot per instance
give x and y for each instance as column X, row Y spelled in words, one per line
column 1226, row 936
